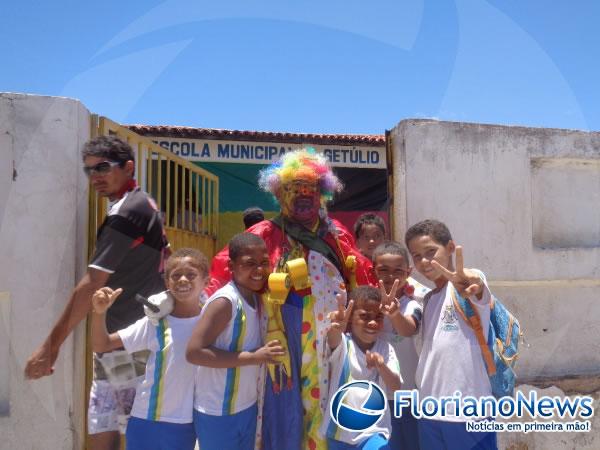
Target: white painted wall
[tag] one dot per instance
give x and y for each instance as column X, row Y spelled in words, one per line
column 43, row 207
column 524, row 204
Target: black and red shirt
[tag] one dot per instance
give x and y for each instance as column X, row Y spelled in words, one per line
column 131, row 247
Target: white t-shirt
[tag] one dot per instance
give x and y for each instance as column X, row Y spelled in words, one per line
column 405, row 347
column 167, row 392
column 348, row 363
column 222, row 392
column 451, row 357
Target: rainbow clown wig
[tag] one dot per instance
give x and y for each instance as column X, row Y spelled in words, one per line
column 305, row 165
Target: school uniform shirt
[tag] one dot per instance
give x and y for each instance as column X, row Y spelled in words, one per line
column 451, row 357
column 348, row 363
column 167, row 392
column 405, row 347
column 222, row 392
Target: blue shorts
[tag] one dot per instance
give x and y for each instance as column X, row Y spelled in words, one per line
column 375, row 442
column 145, row 434
column 436, row 434
column 234, row 432
column 405, row 430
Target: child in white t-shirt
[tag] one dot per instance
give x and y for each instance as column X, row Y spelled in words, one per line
column 161, row 416
column 451, row 358
column 391, row 268
column 360, row 354
column 227, row 347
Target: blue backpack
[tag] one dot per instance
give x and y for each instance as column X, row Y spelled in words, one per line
column 501, row 350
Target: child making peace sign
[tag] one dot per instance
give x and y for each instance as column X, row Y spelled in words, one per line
column 360, row 354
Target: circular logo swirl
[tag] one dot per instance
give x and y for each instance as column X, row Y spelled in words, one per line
column 358, row 405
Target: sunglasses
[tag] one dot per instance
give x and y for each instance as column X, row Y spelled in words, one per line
column 101, row 168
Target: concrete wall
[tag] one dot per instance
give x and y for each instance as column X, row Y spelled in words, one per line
column 525, row 205
column 43, row 207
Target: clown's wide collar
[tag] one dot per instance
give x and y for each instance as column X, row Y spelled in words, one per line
column 313, row 240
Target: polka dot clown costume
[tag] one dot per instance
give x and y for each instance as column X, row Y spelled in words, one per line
column 313, row 258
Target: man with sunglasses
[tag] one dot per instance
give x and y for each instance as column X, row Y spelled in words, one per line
column 130, row 250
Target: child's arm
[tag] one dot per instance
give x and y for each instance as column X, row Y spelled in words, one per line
column 389, row 377
column 102, row 341
column 214, row 320
column 339, row 322
column 405, row 325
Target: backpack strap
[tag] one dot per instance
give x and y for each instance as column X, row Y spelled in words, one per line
column 471, row 317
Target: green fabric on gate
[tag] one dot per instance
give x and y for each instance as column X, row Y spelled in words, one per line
column 238, row 186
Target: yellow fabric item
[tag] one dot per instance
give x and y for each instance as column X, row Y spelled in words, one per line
column 351, row 267
column 276, row 331
column 298, row 270
column 279, row 287
column 309, row 379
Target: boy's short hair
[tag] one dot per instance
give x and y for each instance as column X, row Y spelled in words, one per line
column 252, row 216
column 437, row 230
column 390, row 248
column 198, row 260
column 365, row 293
column 241, row 241
column 368, row 219
column 110, row 147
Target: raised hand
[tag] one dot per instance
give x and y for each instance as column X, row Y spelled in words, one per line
column 271, row 352
column 339, row 318
column 467, row 282
column 374, row 360
column 388, row 298
column 391, row 379
column 391, row 309
column 103, row 298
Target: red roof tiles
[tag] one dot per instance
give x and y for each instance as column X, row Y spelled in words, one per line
column 375, row 140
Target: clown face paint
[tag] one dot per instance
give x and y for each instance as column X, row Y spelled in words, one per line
column 300, row 202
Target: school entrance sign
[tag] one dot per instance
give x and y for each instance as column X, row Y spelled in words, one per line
column 234, row 151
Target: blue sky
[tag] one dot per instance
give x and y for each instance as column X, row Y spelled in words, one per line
column 341, row 66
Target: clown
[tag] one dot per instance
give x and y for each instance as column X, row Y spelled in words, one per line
column 319, row 255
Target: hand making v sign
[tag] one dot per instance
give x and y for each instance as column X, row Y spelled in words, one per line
column 389, row 305
column 339, row 321
column 466, row 281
